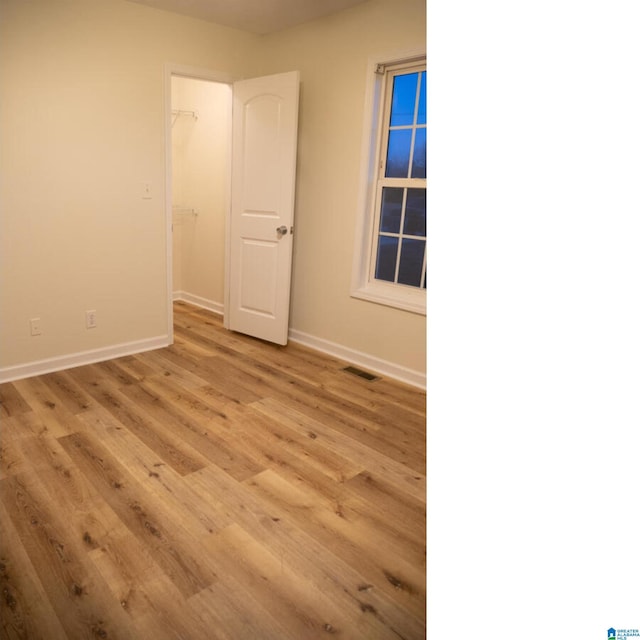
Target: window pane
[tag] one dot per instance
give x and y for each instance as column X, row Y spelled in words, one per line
column 391, row 209
column 419, row 169
column 422, row 104
column 387, row 253
column 403, row 102
column 398, row 153
column 411, row 257
column 415, row 217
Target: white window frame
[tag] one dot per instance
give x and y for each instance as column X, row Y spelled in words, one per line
column 364, row 285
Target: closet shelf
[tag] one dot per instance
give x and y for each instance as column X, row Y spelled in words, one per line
column 176, row 113
column 184, row 211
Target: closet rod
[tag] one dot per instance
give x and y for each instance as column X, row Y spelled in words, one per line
column 185, row 211
column 176, row 113
column 182, row 112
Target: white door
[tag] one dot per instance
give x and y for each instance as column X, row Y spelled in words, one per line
column 263, row 171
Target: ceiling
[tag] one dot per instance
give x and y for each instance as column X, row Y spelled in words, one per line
column 256, row 16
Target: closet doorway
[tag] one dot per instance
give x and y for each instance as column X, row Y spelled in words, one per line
column 198, row 174
column 230, row 245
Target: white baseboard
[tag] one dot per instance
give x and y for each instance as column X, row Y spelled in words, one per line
column 204, row 303
column 39, row 367
column 371, row 363
column 377, row 365
column 383, row 367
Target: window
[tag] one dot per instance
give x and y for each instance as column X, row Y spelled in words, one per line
column 390, row 264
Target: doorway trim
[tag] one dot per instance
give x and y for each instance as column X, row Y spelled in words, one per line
column 195, row 73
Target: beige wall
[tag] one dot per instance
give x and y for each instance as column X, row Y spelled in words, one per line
column 331, row 55
column 82, row 128
column 200, row 162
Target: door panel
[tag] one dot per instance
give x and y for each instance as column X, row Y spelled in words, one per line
column 261, row 166
column 265, row 120
column 259, row 263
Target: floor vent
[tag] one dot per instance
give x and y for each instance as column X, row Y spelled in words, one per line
column 363, row 374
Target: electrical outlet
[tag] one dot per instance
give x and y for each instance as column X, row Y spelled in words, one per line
column 146, row 191
column 91, row 318
column 36, row 328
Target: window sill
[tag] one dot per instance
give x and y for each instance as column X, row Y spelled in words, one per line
column 405, row 298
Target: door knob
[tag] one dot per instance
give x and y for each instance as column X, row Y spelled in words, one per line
column 282, row 231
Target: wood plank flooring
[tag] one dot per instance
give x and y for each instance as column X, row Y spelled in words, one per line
column 221, row 488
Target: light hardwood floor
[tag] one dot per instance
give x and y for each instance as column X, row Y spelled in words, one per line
column 221, row 488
